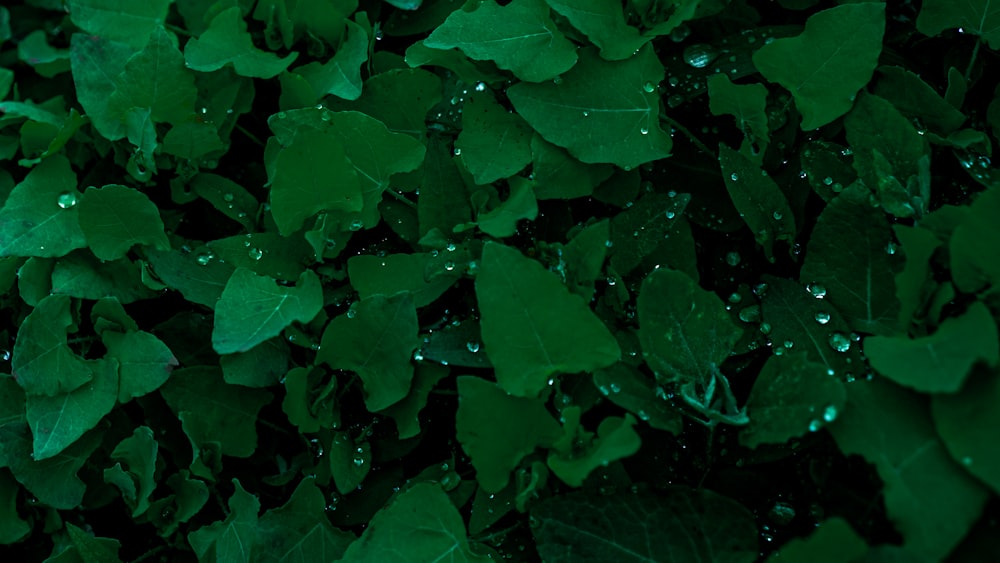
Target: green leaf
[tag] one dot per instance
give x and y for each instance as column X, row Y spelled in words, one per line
column 92, row 549
column 798, row 318
column 494, row 144
column 604, row 24
column 36, row 51
column 833, row 541
column 233, row 539
column 82, row 275
column 198, row 276
column 58, row 421
column 341, row 75
column 226, row 413
column 826, row 65
column 115, row 218
column 913, row 281
column 299, row 530
column 600, row 111
column 966, row 422
column 677, row 525
column 519, row 37
column 971, row 245
column 748, row 104
column 261, row 366
column 533, row 327
column 53, row 481
column 306, row 408
column 230, row 198
column 136, row 480
column 979, row 17
column 560, row 176
column 350, row 462
column 858, row 276
column 685, row 331
column 405, row 412
column 376, row 339
column 156, row 78
column 312, row 174
column 130, row 22
column 144, row 362
column 399, row 98
column 387, row 275
column 498, row 430
column 226, row 41
column 629, row 388
column 443, row 201
column 917, row 100
column 616, row 439
column 940, row 362
column 12, row 527
column 267, row 254
column 255, row 308
column 40, row 217
column 640, row 230
column 501, row 221
column 422, row 519
column 759, row 200
column 42, row 362
column 929, row 497
column 791, row 396
column 97, row 63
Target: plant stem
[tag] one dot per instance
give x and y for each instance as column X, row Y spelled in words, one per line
column 402, row 198
column 972, row 61
column 249, row 135
column 694, row 140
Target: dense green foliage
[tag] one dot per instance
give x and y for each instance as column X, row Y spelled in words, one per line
column 529, row 280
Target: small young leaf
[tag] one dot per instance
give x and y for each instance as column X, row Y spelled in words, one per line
column 604, row 24
column 116, row 218
column 757, row 197
column 136, row 480
column 494, row 144
column 233, row 539
column 227, row 41
column 341, row 75
column 144, row 362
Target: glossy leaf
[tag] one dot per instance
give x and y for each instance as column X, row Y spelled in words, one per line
column 493, row 144
column 533, row 327
column 40, row 217
column 600, row 111
column 825, row 66
column 759, row 200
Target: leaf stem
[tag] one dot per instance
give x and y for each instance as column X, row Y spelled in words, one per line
column 177, row 30
column 402, row 198
column 687, row 133
column 972, row 60
column 249, row 135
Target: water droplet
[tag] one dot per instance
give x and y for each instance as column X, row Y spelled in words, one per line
column 735, row 298
column 828, row 181
column 351, row 313
column 649, row 87
column 449, row 265
column 777, row 215
column 480, row 86
column 966, row 461
column 788, row 344
column 680, row 33
column 5, row 355
column 644, row 130
column 615, row 388
column 839, row 342
column 359, row 461
column 256, row 253
column 675, row 100
column 822, row 318
column 472, row 346
column 818, row 290
column 765, row 328
column 781, row 513
column 815, row 425
column 66, row 200
column 282, row 115
column 830, row 413
column 700, row 55
column 734, row 177
column 228, row 197
column 733, row 258
column 750, row 314
column 608, row 243
column 670, row 214
column 586, row 113
column 356, row 225
column 890, row 248
column 673, row 81
column 204, row 258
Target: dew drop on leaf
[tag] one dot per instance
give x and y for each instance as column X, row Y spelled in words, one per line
column 256, row 253
column 649, row 87
column 472, row 346
column 700, row 55
column 839, row 342
column 733, row 258
column 815, row 425
column 822, row 318
column 830, row 413
column 204, row 258
column 66, row 200
column 228, row 197
column 818, row 290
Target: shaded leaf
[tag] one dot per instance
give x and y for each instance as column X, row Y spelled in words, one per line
column 40, row 217
column 226, row 41
column 115, row 218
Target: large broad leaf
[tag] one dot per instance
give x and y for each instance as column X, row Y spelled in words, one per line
column 604, row 24
column 400, row 98
column 677, row 526
column 97, row 63
column 234, row 538
column 299, row 530
column 129, row 22
column 931, row 499
column 423, row 522
column 144, row 362
column 493, row 144
column 227, row 413
column 341, row 75
column 156, row 78
column 629, row 388
column 56, row 422
column 685, row 331
column 967, row 423
column 940, row 362
column 825, row 66
column 375, row 339
column 42, row 362
column 575, row 457
column 497, row 430
column 979, row 17
column 115, row 218
column 387, row 275
column 600, row 111
column 40, row 217
column 227, row 41
column 519, row 37
column 254, row 308
column 748, row 104
column 533, row 327
column 444, row 199
column 640, row 230
column 790, row 397
column 973, row 244
column 857, row 275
